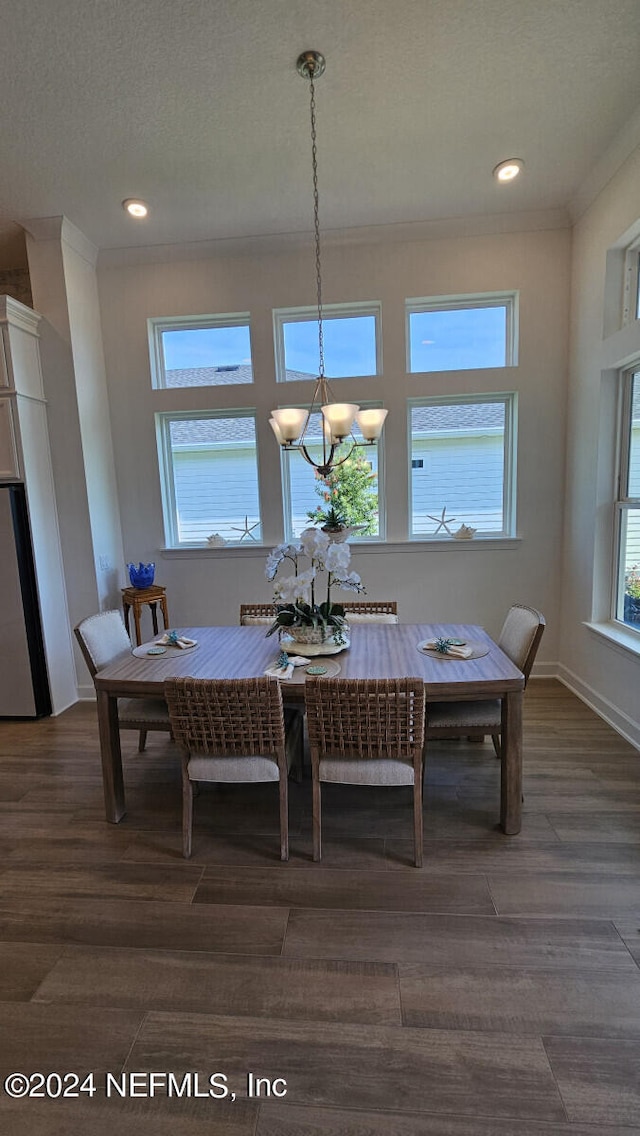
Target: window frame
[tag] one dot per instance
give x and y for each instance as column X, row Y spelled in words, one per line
column 508, row 300
column 623, row 501
column 163, row 420
column 156, row 325
column 631, row 284
column 509, row 461
column 281, row 316
column 381, row 536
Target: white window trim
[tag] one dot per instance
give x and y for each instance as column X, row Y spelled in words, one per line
column 631, row 283
column 329, row 312
column 165, row 465
column 158, row 324
column 622, row 501
column 509, row 471
column 508, row 300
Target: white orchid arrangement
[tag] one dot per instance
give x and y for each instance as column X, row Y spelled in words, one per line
column 295, row 595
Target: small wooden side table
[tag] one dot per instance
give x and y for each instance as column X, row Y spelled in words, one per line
column 136, row 598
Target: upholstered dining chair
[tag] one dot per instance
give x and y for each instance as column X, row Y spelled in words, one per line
column 260, row 614
column 104, row 638
column 519, row 639
column 232, row 730
column 366, row 732
column 356, row 611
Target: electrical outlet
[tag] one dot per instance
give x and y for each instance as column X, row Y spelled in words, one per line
column 104, row 563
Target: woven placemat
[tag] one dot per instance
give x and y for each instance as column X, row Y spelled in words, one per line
column 142, row 652
column 478, row 651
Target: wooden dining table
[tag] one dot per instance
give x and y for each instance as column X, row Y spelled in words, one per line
column 376, row 651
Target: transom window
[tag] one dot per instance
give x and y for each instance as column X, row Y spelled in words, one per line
column 627, row 588
column 203, row 351
column 460, row 333
column 351, row 336
column 462, row 456
column 210, row 482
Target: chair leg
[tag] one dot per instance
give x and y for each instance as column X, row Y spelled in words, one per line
column 495, row 738
column 142, row 741
column 187, row 814
column 417, row 820
column 284, row 818
column 317, row 818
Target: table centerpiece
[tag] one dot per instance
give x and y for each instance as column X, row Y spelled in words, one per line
column 318, row 628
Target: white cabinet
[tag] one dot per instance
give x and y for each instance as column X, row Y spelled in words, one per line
column 25, row 457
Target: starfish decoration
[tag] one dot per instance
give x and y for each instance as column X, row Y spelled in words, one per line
column 246, row 531
column 441, row 523
column 442, row 646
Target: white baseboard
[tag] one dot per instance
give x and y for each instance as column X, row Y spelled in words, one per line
column 545, row 670
column 86, row 692
column 621, row 722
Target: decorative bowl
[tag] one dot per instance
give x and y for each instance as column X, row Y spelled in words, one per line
column 141, row 575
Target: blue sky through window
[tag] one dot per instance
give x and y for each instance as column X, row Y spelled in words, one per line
column 460, row 339
column 206, row 347
column 349, row 346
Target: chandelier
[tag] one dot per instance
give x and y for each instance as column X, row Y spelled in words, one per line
column 291, row 424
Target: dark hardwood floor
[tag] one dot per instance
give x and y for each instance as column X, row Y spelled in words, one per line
column 494, row 992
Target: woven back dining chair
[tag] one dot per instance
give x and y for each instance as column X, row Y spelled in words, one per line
column 102, row 639
column 258, row 614
column 366, row 732
column 356, row 611
column 232, row 730
column 519, row 639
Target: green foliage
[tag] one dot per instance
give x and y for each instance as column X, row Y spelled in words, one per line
column 632, row 582
column 348, row 496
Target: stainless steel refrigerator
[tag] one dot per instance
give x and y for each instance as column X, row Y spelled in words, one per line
column 24, row 685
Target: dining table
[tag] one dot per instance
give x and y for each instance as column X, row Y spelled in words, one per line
column 375, row 651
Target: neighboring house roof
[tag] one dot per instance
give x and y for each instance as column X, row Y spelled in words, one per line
column 220, row 376
column 426, row 420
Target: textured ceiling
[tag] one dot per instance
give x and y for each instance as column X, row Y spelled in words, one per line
column 197, row 108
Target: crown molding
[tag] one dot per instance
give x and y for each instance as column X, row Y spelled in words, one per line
column 63, row 230
column 398, row 233
column 622, row 147
column 17, row 314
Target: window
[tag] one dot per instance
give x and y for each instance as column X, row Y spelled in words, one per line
column 631, row 297
column 351, row 342
column 304, row 492
column 627, row 590
column 461, row 333
column 462, row 453
column 204, row 351
column 210, row 481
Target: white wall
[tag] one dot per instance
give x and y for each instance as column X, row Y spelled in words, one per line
column 475, row 583
column 605, row 673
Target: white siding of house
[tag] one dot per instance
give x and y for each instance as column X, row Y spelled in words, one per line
column 465, row 475
column 215, row 490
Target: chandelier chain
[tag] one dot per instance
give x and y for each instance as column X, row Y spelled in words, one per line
column 316, row 219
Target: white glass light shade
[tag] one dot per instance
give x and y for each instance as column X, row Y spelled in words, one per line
column 276, row 429
column 290, row 421
column 371, row 422
column 340, row 416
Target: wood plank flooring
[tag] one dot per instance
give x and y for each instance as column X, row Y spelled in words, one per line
column 494, row 992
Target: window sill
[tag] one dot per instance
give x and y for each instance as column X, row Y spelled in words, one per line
column 229, row 551
column 617, row 636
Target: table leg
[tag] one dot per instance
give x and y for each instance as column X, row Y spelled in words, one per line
column 511, row 767
column 154, row 617
column 126, row 617
column 112, row 780
column 136, row 620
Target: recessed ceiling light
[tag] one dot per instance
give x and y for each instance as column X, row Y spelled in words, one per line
column 135, row 207
column 507, row 171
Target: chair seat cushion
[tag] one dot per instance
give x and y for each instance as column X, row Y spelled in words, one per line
column 148, row 713
column 453, row 715
column 366, row 771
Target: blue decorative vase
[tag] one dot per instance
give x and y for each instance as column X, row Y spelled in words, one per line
column 142, row 575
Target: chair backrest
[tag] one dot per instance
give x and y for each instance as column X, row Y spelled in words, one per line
column 366, row 718
column 371, row 611
column 257, row 613
column 233, row 717
column 102, row 638
column 520, row 636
